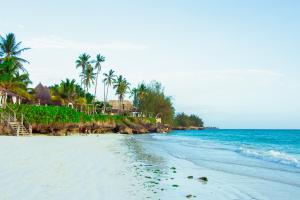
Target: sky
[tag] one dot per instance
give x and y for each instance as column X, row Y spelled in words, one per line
column 235, row 63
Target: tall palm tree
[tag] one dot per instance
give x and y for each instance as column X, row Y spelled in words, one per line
column 10, row 48
column 122, row 87
column 88, row 77
column 98, row 61
column 83, row 61
column 109, row 79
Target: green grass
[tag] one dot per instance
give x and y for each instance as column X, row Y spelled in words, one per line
column 61, row 114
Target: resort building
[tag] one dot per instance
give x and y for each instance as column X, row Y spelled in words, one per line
column 42, row 94
column 126, row 105
column 8, row 96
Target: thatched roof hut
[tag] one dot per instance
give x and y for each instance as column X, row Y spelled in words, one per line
column 42, row 93
column 126, row 105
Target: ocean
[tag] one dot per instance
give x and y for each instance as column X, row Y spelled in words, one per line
column 240, row 164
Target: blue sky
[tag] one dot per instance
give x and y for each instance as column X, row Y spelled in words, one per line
column 234, row 63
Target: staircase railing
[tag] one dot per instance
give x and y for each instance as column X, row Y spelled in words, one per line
column 24, row 122
column 9, row 115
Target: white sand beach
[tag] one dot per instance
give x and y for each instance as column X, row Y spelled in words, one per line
column 74, row 167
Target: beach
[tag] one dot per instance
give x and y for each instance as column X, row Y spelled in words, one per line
column 179, row 165
column 74, row 167
column 239, row 164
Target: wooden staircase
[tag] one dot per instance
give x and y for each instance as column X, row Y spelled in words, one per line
column 18, row 128
column 16, row 122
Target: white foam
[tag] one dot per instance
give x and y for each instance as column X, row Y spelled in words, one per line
column 270, row 155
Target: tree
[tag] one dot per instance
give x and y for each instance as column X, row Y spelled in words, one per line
column 122, row 87
column 196, row 121
column 10, row 48
column 88, row 77
column 138, row 94
column 98, row 61
column 83, row 61
column 134, row 93
column 184, row 120
column 12, row 79
column 68, row 91
column 109, row 79
column 150, row 99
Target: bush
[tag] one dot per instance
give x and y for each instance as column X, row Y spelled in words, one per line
column 62, row 114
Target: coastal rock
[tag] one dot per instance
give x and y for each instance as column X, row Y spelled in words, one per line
column 4, row 130
column 123, row 129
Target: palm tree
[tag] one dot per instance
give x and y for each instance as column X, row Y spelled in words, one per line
column 139, row 94
column 109, row 79
column 88, row 77
column 83, row 62
column 98, row 61
column 122, row 87
column 10, row 48
column 11, row 79
column 68, row 89
column 142, row 91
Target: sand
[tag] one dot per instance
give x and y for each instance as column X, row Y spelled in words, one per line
column 72, row 167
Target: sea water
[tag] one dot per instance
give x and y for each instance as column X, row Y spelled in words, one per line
column 240, row 164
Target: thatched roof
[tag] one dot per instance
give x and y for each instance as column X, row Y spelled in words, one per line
column 127, row 105
column 42, row 93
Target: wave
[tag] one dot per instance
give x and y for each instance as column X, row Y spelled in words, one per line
column 271, row 156
column 266, row 155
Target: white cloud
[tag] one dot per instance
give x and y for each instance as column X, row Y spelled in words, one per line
column 54, row 42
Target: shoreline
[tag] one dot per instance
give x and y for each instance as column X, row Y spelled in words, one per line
column 231, row 175
column 135, row 167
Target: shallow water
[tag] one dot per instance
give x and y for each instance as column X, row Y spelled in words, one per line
column 240, row 164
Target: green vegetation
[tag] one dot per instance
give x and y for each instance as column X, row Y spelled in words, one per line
column 122, row 87
column 69, row 91
column 98, row 61
column 51, row 114
column 151, row 99
column 184, row 120
column 109, row 79
column 148, row 99
column 13, row 75
column 64, row 115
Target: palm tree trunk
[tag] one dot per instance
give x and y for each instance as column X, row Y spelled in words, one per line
column 104, row 104
column 84, row 90
column 106, row 92
column 95, row 93
column 119, row 104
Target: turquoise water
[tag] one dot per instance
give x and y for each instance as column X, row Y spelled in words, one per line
column 242, row 164
column 282, row 146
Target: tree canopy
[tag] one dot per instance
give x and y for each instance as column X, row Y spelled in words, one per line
column 151, row 99
column 13, row 75
column 184, row 120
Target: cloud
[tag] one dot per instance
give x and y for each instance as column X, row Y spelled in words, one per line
column 54, row 42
